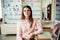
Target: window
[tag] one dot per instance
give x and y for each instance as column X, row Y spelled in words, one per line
column 57, row 10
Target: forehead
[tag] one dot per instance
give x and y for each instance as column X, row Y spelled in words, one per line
column 26, row 8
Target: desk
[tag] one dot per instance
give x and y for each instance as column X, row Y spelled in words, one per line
column 44, row 36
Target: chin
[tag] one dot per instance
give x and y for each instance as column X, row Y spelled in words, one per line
column 27, row 16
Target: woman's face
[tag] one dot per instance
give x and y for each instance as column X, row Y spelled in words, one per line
column 26, row 12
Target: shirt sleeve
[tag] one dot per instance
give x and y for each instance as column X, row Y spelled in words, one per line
column 19, row 31
column 38, row 27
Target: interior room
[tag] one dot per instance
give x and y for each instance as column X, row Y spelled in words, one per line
column 47, row 12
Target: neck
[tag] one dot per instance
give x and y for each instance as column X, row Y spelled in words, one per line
column 27, row 18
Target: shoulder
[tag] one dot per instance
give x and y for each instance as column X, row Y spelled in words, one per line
column 34, row 19
column 37, row 21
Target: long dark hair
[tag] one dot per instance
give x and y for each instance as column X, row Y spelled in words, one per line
column 30, row 17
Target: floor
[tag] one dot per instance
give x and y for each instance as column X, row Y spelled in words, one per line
column 8, row 37
column 13, row 36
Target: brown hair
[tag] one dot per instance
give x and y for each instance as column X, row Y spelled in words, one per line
column 30, row 17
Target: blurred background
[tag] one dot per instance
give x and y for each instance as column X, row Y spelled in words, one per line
column 47, row 12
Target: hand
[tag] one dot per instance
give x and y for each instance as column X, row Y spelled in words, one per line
column 25, row 36
column 30, row 36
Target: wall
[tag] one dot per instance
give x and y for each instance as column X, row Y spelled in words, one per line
column 11, row 10
column 0, row 10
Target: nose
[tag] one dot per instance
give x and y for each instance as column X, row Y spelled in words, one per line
column 27, row 11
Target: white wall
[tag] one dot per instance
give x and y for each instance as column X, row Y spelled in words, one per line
column 0, row 10
column 45, row 3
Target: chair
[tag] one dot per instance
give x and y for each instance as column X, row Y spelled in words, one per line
column 58, row 35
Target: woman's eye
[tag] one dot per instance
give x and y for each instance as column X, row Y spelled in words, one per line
column 28, row 10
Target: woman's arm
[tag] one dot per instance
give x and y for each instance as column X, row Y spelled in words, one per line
column 38, row 31
column 38, row 27
column 19, row 32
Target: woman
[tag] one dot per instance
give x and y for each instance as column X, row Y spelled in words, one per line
column 27, row 25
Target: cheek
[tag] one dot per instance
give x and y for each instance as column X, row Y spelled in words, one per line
column 24, row 14
column 29, row 13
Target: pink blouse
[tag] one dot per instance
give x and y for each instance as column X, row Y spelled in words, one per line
column 23, row 28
